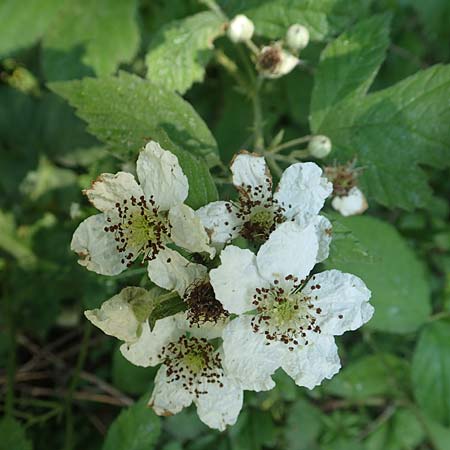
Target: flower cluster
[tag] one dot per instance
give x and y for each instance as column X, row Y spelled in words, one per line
column 246, row 310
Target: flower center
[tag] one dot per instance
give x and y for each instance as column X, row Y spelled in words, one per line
column 195, row 362
column 139, row 228
column 269, row 59
column 259, row 211
column 202, row 304
column 285, row 316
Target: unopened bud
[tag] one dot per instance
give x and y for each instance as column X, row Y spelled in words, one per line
column 319, row 146
column 351, row 204
column 274, row 62
column 240, row 29
column 297, row 37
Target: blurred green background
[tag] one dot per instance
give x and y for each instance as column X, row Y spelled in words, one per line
column 70, row 381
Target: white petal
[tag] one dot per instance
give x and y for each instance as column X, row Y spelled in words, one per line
column 311, row 364
column 144, row 352
column 248, row 358
column 221, row 405
column 340, row 294
column 250, row 169
column 116, row 316
column 302, row 191
column 168, row 396
column 172, row 271
column 109, row 189
column 324, row 234
column 287, row 63
column 96, row 248
column 220, row 221
column 187, row 230
column 236, row 279
column 289, row 250
column 161, row 176
column 353, row 203
column 208, row 330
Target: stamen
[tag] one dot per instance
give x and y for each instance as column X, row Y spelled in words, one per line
column 194, row 361
column 138, row 228
column 259, row 211
column 202, row 304
column 285, row 316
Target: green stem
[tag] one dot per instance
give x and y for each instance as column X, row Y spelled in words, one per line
column 257, row 118
column 291, row 143
column 69, row 444
column 11, row 363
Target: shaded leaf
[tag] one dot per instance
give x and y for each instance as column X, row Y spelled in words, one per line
column 13, row 435
column 431, row 371
column 370, row 376
column 347, row 68
column 136, row 428
column 401, row 431
column 400, row 292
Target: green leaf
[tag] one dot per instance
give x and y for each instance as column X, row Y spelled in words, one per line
column 253, row 430
column 403, row 126
column 129, row 378
column 13, row 435
column 166, row 308
column 272, row 18
column 440, row 435
column 90, row 37
column 180, row 50
column 401, row 431
column 303, row 426
column 400, row 292
column 431, row 371
column 126, row 111
column 348, row 66
column 136, row 428
column 23, row 23
column 344, row 247
column 370, row 376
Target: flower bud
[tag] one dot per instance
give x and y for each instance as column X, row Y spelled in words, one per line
column 353, row 203
column 240, row 29
column 297, row 37
column 274, row 62
column 319, row 146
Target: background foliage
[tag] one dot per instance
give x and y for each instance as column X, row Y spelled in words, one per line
column 155, row 70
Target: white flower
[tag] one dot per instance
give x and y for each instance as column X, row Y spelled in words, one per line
column 240, row 29
column 299, row 197
column 138, row 219
column 193, row 372
column 353, row 203
column 287, row 317
column 297, row 37
column 274, row 62
column 319, row 146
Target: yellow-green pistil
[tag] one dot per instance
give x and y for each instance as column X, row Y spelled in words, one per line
column 285, row 315
column 139, row 228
